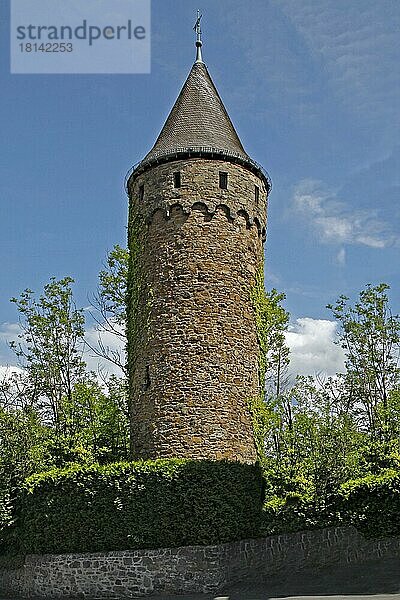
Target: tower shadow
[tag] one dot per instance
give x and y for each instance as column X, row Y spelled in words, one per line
column 378, row 578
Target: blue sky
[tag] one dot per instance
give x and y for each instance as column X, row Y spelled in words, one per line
column 313, row 89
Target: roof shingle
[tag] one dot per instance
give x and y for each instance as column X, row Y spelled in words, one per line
column 197, row 119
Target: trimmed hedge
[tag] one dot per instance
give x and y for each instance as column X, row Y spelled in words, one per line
column 146, row 504
column 372, row 504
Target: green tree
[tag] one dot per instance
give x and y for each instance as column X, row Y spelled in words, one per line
column 323, row 433
column 370, row 337
column 22, row 452
column 97, row 423
column 110, row 315
column 109, row 306
column 271, row 323
column 315, row 443
column 87, row 422
column 50, row 347
column 52, row 411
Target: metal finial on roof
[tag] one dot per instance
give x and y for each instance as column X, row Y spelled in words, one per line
column 199, row 43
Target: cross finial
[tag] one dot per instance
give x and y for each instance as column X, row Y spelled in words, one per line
column 199, row 43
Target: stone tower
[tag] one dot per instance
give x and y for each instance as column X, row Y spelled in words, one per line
column 197, row 221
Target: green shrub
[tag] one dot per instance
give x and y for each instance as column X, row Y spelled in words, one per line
column 372, row 503
column 292, row 513
column 151, row 504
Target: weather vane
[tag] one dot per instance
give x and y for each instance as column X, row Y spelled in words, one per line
column 199, row 43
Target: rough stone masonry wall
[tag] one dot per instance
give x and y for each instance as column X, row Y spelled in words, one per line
column 117, row 575
column 194, row 365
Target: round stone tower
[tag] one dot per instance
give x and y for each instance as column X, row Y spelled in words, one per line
column 197, row 223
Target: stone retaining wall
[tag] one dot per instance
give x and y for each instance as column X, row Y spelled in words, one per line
column 189, row 569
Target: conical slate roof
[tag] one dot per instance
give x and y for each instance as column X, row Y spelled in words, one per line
column 198, row 119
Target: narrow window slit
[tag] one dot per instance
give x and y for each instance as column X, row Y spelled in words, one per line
column 223, row 180
column 177, row 179
column 141, row 192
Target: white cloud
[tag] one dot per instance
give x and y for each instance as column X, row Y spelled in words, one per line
column 335, row 222
column 312, row 347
